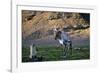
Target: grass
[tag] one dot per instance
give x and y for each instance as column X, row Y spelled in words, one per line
column 53, row 53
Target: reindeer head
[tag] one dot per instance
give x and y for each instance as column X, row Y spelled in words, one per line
column 57, row 33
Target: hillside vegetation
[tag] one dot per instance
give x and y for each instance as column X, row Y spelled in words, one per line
column 40, row 24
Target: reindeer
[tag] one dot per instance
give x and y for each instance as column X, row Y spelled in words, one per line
column 64, row 40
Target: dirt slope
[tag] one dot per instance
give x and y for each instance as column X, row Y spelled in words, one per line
column 37, row 25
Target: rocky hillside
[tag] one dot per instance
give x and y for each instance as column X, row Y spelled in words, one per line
column 40, row 24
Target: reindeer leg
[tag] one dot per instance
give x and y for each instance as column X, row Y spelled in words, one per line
column 68, row 49
column 65, row 53
column 71, row 47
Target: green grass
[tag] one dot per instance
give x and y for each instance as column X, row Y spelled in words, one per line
column 53, row 53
